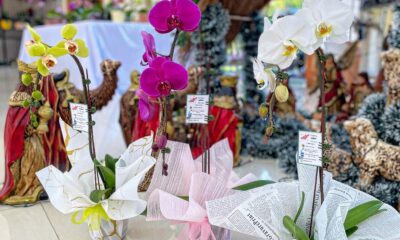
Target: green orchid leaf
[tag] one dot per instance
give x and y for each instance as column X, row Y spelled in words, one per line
column 300, row 207
column 186, row 198
column 35, row 36
column 107, row 175
column 110, row 162
column 57, row 52
column 295, row 230
column 144, row 213
column 252, row 185
column 362, row 212
column 99, row 195
column 350, row 231
column 69, row 31
column 61, row 44
column 83, row 51
column 36, row 50
column 42, row 69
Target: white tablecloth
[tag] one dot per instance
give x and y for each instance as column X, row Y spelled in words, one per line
column 106, row 40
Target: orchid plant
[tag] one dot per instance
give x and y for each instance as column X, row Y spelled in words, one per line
column 318, row 22
column 162, row 75
column 47, row 59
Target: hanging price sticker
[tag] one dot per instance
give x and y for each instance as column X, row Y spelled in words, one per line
column 79, row 114
column 197, row 109
column 310, row 148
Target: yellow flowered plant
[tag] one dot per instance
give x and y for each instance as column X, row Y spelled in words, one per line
column 48, row 55
column 73, row 46
column 93, row 215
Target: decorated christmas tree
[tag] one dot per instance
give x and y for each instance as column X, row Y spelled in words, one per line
column 209, row 43
column 250, row 32
column 394, row 36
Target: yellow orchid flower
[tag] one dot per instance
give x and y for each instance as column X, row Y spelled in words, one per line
column 73, row 46
column 47, row 58
column 47, row 55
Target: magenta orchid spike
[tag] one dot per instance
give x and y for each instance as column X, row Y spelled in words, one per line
column 168, row 15
column 162, row 76
column 146, row 107
column 150, row 46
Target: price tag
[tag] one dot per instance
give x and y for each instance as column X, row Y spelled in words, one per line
column 79, row 114
column 310, row 148
column 197, row 109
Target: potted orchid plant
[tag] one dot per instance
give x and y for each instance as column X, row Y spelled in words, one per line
column 102, row 193
column 167, row 192
column 162, row 75
column 318, row 22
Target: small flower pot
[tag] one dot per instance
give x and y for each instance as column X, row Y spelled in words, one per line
column 110, row 230
column 141, row 17
column 221, row 233
column 117, row 16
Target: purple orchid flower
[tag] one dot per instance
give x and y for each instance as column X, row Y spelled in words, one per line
column 162, row 76
column 146, row 107
column 149, row 44
column 167, row 15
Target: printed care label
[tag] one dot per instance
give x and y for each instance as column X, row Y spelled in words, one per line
column 310, row 151
column 79, row 114
column 197, row 109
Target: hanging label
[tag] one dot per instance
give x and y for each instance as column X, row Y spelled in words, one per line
column 310, row 148
column 197, row 109
column 79, row 114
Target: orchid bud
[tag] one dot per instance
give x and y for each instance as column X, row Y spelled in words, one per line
column 37, row 95
column 26, row 79
column 281, row 93
column 161, row 141
column 263, row 110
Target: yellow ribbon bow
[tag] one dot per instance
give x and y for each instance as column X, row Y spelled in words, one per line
column 93, row 215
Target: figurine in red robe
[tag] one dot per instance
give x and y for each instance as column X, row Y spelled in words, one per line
column 225, row 122
column 31, row 146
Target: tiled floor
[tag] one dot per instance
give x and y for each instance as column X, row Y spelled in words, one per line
column 43, row 222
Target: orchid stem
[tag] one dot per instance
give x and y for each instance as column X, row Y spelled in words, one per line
column 172, row 50
column 86, row 93
column 319, row 174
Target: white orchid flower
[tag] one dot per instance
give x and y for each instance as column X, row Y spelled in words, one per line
column 279, row 42
column 330, row 20
column 263, row 76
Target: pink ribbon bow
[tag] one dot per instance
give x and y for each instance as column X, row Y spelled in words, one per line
column 186, row 179
column 197, row 231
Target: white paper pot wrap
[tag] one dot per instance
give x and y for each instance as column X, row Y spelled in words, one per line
column 69, row 192
column 259, row 212
column 111, row 230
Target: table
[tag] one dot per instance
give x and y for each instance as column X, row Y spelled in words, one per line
column 115, row 41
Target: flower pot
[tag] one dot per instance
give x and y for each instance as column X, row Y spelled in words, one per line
column 110, row 230
column 117, row 16
column 221, row 233
column 141, row 17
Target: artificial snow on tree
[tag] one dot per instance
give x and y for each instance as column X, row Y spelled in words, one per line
column 373, row 108
column 391, row 124
column 282, row 145
column 250, row 33
column 209, row 43
column 382, row 117
column 394, row 36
